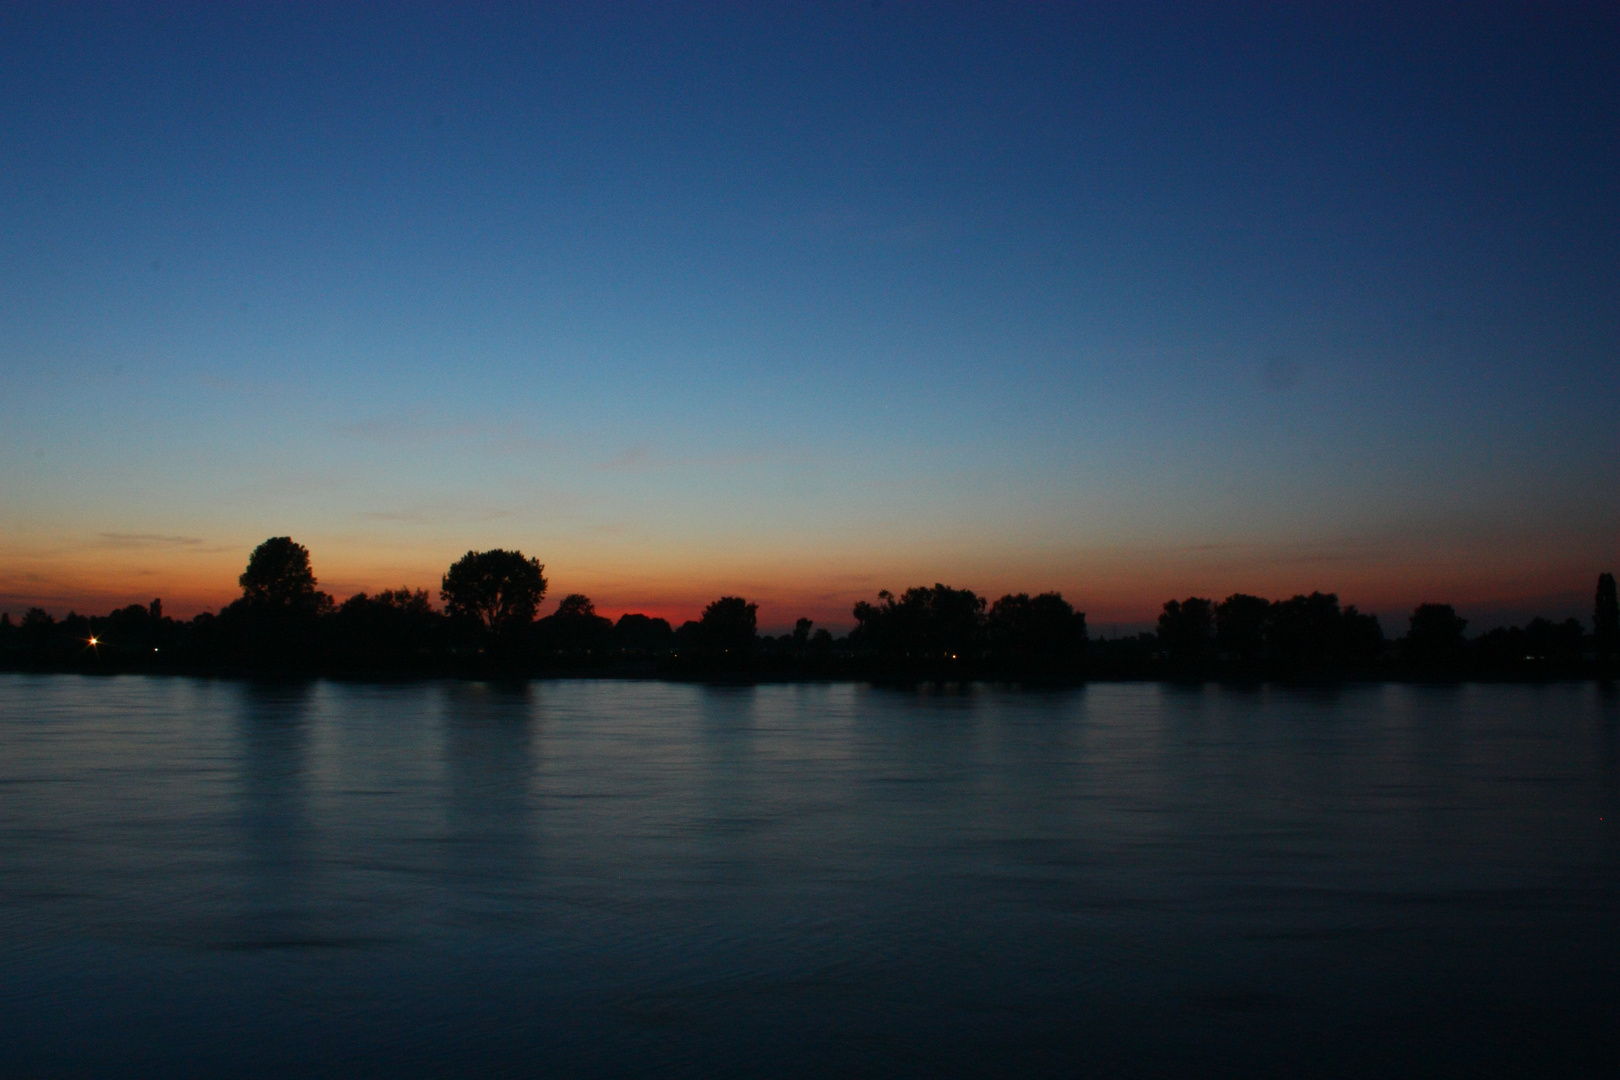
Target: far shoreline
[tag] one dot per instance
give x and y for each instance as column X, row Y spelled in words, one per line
column 489, row 628
column 892, row 681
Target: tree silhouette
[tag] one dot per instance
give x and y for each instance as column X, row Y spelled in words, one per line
column 574, row 627
column 637, row 633
column 274, row 625
column 1187, row 632
column 1606, row 622
column 498, row 590
column 1434, row 641
column 278, row 574
column 938, row 623
column 575, row 606
column 1362, row 636
column 1242, row 624
column 1311, row 635
column 137, row 628
column 38, row 632
column 1540, row 649
column 728, row 625
column 393, row 628
column 1044, row 631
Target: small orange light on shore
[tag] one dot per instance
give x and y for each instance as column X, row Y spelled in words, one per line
column 94, row 640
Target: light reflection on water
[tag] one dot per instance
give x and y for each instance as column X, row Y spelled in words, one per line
column 211, row 877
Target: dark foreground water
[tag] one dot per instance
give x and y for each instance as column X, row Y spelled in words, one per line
column 600, row 878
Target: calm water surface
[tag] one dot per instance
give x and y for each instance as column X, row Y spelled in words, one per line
column 606, row 878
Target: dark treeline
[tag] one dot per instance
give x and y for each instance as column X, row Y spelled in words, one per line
column 487, row 624
column 1312, row 638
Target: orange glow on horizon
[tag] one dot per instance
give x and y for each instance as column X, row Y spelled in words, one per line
column 1114, row 588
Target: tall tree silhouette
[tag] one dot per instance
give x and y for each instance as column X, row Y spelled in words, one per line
column 498, row 590
column 1606, row 622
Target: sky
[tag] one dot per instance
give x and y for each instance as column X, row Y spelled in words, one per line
column 800, row 301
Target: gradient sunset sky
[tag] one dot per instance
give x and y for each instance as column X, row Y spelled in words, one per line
column 801, row 301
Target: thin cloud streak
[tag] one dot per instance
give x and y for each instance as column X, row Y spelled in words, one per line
column 412, row 430
column 131, row 540
column 641, row 459
column 436, row 515
column 418, row 429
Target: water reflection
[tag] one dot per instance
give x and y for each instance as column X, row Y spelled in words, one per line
column 619, row 878
column 726, row 759
column 276, row 855
column 490, row 849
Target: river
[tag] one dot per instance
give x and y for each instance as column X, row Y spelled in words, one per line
column 595, row 878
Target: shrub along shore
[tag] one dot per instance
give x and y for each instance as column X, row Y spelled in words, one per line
column 487, row 626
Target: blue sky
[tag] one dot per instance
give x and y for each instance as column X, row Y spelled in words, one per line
column 804, row 301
